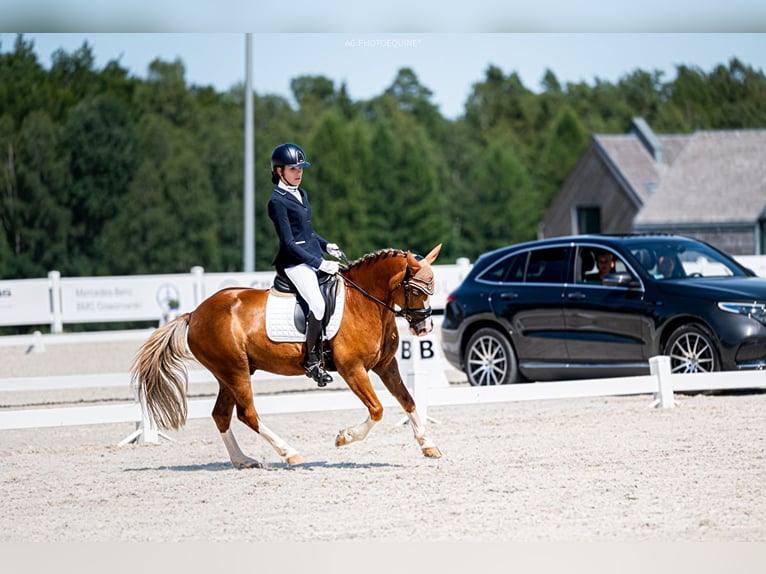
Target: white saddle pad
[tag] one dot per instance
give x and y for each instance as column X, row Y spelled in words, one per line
column 280, row 311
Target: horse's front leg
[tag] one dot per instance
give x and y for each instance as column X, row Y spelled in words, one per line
column 359, row 382
column 392, row 379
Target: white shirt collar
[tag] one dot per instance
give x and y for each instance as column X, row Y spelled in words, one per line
column 283, row 185
column 291, row 189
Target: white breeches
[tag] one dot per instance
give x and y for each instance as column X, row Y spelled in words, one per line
column 306, row 282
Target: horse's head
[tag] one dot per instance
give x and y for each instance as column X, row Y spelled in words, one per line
column 409, row 285
column 417, row 287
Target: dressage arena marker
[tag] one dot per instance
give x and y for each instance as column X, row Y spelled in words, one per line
column 146, row 430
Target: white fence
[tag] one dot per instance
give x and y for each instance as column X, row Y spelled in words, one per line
column 57, row 300
column 660, row 383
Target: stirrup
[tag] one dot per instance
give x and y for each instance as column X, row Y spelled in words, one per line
column 316, row 372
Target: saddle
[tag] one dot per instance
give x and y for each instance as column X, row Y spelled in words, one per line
column 328, row 285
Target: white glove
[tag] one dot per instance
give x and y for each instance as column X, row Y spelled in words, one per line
column 334, row 250
column 329, row 267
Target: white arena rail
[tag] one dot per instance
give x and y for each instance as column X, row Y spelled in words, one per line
column 660, row 383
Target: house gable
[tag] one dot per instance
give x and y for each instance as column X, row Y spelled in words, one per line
column 710, row 185
column 617, row 174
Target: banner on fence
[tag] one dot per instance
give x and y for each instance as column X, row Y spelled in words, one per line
column 58, row 300
column 25, row 302
column 130, row 298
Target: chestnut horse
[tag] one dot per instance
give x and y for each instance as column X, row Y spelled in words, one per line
column 227, row 334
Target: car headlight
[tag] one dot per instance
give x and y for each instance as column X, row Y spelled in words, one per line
column 753, row 310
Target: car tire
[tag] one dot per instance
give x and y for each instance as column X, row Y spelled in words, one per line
column 692, row 349
column 489, row 359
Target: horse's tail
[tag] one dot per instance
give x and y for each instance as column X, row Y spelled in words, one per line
column 160, row 374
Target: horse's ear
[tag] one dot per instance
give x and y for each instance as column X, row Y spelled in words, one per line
column 431, row 257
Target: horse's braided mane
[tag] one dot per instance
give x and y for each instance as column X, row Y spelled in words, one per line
column 376, row 256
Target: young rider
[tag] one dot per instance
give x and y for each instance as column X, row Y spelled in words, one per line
column 300, row 248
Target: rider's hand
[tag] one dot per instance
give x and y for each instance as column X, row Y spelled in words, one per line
column 329, row 267
column 334, row 250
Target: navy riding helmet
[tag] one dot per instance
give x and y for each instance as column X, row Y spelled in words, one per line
column 287, row 154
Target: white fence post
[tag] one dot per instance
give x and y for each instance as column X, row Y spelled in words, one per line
column 199, row 284
column 38, row 345
column 57, row 325
column 418, row 381
column 659, row 367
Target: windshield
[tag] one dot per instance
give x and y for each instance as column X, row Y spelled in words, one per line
column 669, row 259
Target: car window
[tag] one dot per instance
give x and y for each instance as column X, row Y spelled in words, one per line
column 673, row 260
column 547, row 265
column 587, row 264
column 508, row 270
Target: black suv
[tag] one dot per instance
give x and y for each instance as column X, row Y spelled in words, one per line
column 541, row 310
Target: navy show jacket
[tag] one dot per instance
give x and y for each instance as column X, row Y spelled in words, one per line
column 298, row 242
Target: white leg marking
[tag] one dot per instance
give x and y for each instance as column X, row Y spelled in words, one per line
column 419, row 430
column 238, row 458
column 277, row 443
column 357, row 432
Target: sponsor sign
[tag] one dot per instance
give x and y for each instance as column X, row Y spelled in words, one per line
column 25, row 302
column 213, row 282
column 59, row 300
column 128, row 298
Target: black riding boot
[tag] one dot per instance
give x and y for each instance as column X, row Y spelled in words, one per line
column 312, row 364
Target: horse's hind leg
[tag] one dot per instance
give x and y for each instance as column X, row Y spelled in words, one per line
column 389, row 374
column 283, row 449
column 222, row 411
column 242, row 397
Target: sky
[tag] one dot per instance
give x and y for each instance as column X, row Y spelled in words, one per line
column 446, row 63
column 389, row 16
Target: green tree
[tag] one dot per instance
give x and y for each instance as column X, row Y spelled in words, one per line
column 335, row 183
column 165, row 94
column 415, row 213
column 24, row 84
column 169, row 219
column 690, row 95
column 502, row 206
column 221, row 139
column 42, row 180
column 562, row 145
column 740, row 96
column 102, row 151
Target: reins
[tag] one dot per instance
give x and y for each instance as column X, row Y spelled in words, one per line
column 364, row 292
column 372, row 297
column 410, row 315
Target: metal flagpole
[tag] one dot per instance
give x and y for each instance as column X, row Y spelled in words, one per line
column 249, row 203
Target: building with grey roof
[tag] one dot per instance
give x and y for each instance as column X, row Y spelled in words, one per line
column 710, row 185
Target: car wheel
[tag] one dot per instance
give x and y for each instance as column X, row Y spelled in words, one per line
column 692, row 350
column 489, row 359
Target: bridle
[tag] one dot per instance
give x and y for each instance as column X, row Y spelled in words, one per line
column 408, row 283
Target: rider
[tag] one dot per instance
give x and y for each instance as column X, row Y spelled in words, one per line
column 300, row 248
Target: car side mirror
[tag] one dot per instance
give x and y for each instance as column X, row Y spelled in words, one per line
column 622, row 279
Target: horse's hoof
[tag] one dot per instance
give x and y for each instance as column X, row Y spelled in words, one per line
column 249, row 463
column 344, row 437
column 432, row 452
column 295, row 459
